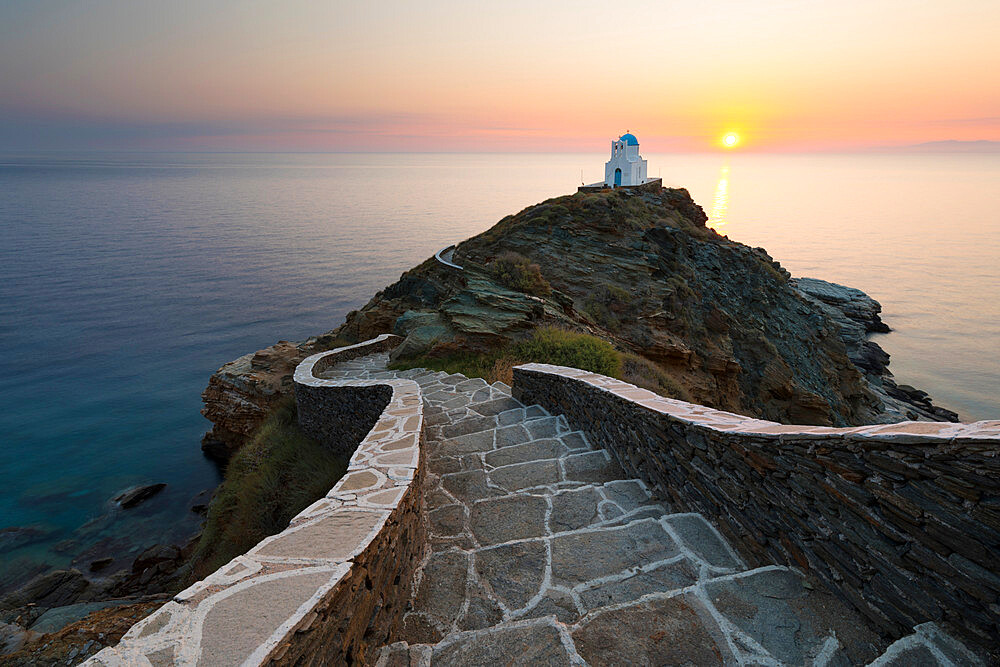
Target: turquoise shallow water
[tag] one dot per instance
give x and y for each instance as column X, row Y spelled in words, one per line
column 127, row 279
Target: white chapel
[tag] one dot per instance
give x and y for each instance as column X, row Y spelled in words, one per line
column 626, row 168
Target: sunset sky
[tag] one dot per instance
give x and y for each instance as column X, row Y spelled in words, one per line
column 518, row 75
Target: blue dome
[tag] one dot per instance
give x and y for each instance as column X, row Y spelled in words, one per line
column 629, row 139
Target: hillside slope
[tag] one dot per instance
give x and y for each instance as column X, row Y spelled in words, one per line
column 641, row 270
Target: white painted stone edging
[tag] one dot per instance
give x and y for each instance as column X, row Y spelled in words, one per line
column 439, row 256
column 728, row 422
column 317, row 548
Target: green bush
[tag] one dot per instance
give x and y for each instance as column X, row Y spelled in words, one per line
column 518, row 272
column 546, row 345
column 561, row 348
column 269, row 480
column 469, row 364
column 566, row 348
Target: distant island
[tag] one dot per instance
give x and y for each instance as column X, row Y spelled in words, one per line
column 948, row 146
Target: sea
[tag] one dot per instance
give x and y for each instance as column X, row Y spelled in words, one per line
column 127, row 279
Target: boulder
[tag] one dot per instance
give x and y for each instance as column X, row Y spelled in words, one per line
column 54, row 589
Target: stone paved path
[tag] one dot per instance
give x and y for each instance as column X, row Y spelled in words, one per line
column 542, row 552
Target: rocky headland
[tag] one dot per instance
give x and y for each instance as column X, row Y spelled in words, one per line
column 724, row 321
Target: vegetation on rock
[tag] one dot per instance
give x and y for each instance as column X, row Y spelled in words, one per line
column 608, row 306
column 704, row 318
column 560, row 347
column 517, row 272
column 269, row 480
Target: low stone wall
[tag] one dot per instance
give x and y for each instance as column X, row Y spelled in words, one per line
column 445, row 255
column 330, row 588
column 902, row 521
column 339, row 417
column 652, row 185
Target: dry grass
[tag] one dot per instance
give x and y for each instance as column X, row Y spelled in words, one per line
column 267, row 482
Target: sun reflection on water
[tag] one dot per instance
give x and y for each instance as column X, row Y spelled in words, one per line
column 720, row 204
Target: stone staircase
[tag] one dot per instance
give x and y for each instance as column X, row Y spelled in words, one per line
column 542, row 552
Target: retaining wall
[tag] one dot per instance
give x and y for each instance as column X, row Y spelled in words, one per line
column 331, row 587
column 339, row 415
column 902, row 521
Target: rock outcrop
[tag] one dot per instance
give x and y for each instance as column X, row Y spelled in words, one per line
column 857, row 316
column 241, row 393
column 641, row 270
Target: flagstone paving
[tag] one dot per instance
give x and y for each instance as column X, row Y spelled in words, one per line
column 541, row 551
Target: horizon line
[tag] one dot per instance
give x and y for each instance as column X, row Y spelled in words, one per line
column 903, row 149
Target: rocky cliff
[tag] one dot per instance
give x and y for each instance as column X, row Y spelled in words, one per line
column 241, row 393
column 857, row 315
column 639, row 269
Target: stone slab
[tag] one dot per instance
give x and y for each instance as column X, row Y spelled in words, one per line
column 659, row 632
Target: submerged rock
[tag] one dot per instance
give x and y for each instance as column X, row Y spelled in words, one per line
column 15, row 537
column 135, row 495
column 101, row 563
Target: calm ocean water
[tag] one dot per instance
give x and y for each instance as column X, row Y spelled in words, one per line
column 127, row 279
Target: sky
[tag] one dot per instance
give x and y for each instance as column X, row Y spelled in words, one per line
column 518, row 75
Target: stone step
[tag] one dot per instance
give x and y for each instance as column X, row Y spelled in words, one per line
column 775, row 612
column 766, row 616
column 540, row 552
column 514, row 464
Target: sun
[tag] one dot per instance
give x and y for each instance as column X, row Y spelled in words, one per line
column 730, row 140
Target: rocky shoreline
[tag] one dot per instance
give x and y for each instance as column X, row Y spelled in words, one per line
column 45, row 620
column 241, row 392
column 441, row 310
column 858, row 316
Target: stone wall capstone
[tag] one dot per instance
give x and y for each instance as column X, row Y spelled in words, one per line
column 902, row 521
column 331, row 587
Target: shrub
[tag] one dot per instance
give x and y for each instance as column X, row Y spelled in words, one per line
column 517, row 272
column 546, row 345
column 561, row 348
column 273, row 477
column 566, row 348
